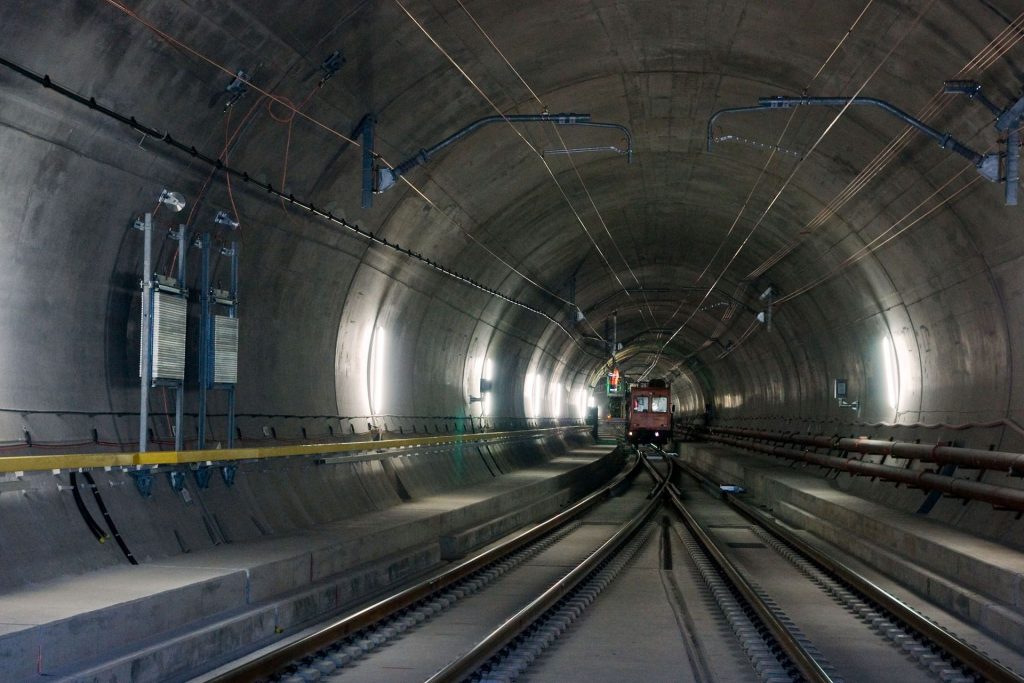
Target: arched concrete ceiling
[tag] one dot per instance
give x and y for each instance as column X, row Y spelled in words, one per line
column 678, row 244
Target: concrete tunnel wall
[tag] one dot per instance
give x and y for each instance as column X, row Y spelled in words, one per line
column 947, row 292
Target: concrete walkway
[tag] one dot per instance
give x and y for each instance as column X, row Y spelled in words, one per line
column 174, row 616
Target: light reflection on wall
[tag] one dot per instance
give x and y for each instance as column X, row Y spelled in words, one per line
column 891, row 370
column 732, row 401
column 377, row 361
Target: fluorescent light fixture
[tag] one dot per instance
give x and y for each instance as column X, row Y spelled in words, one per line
column 556, row 400
column 377, row 361
column 892, row 372
column 528, row 402
column 538, row 397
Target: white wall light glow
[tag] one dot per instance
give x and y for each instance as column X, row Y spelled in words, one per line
column 377, row 360
column 556, row 400
column 891, row 369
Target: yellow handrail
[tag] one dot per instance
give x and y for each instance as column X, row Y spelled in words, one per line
column 44, row 463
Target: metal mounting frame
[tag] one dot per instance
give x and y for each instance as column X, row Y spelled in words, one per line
column 209, row 299
column 1008, row 121
column 386, row 178
column 151, row 284
column 986, row 164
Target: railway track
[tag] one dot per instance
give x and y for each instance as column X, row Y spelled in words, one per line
column 751, row 602
column 840, row 627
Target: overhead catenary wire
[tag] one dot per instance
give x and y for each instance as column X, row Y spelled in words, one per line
column 885, row 237
column 284, row 102
column 569, row 154
column 763, row 172
column 309, row 207
column 565, row 148
column 519, row 133
column 877, row 243
column 801, row 161
column 1008, row 38
column 764, row 169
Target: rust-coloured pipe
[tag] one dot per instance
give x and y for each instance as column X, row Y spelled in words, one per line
column 974, row 458
column 1000, row 496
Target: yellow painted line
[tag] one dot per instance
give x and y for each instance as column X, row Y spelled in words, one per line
column 44, row 463
column 36, row 463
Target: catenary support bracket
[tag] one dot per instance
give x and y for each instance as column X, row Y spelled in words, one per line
column 987, row 164
column 387, row 177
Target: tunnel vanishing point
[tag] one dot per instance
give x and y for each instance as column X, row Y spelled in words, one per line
column 307, row 226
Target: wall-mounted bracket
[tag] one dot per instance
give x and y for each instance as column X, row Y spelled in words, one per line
column 768, row 296
column 1008, row 121
column 143, row 482
column 202, row 475
column 365, row 129
column 839, row 393
column 176, row 478
column 387, row 177
column 235, row 90
column 227, row 473
column 330, row 66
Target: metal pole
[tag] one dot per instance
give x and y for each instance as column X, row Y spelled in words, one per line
column 204, row 333
column 367, row 131
column 179, row 392
column 233, row 313
column 1012, row 163
column 146, row 345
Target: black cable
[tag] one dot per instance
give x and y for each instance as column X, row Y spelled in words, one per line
column 97, row 532
column 191, row 150
column 110, row 521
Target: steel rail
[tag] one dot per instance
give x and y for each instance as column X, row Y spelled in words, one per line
column 990, row 669
column 47, row 463
column 466, row 664
column 273, row 662
column 804, row 662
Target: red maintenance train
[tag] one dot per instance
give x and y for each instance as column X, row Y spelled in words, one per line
column 649, row 413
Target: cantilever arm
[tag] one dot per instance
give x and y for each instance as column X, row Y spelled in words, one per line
column 387, row 177
column 987, row 164
column 730, row 110
column 945, row 140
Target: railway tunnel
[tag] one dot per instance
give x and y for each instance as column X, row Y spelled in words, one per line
column 443, row 226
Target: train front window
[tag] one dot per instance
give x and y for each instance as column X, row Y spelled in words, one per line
column 659, row 404
column 640, row 404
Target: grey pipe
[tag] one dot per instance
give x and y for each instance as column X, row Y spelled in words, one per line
column 973, row 458
column 1000, row 496
column 387, row 177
